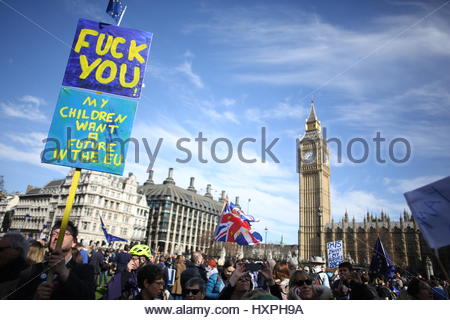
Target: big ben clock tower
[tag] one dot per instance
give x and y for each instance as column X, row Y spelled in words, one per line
column 314, row 194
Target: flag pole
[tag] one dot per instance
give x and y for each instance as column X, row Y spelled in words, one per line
column 225, row 201
column 121, row 16
column 65, row 219
column 441, row 265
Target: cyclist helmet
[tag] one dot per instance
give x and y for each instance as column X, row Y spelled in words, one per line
column 141, row 250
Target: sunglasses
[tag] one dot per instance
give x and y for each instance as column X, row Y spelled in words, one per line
column 300, row 283
column 193, row 291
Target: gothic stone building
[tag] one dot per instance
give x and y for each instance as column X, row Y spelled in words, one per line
column 402, row 239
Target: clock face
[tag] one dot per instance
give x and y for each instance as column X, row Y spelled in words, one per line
column 309, row 156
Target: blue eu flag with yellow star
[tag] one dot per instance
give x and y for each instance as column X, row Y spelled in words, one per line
column 381, row 263
column 116, row 9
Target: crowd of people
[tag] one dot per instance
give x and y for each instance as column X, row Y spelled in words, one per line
column 36, row 270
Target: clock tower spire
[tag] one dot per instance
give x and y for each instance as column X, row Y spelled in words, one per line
column 314, row 193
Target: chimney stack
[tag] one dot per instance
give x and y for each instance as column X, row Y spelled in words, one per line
column 208, row 191
column 191, row 185
column 150, row 179
column 169, row 179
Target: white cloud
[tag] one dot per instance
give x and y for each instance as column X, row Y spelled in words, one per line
column 283, row 110
column 32, row 139
column 228, row 102
column 186, row 69
column 358, row 202
column 27, row 108
column 293, row 47
column 221, row 115
column 405, row 185
column 33, row 100
column 30, row 155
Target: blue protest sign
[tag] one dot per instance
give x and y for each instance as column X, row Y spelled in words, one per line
column 335, row 253
column 90, row 131
column 430, row 207
column 108, row 58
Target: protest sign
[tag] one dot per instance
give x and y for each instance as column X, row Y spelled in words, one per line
column 335, row 252
column 107, row 58
column 89, row 131
column 430, row 207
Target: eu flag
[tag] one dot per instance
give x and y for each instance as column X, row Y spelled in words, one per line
column 116, row 9
column 381, row 263
column 109, row 237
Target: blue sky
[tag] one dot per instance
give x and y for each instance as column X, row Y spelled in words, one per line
column 229, row 68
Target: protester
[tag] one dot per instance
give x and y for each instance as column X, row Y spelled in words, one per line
column 72, row 281
column 215, row 283
column 150, row 279
column 226, row 272
column 301, row 288
column 281, row 275
column 96, row 261
column 349, row 285
column 76, row 255
column 318, row 272
column 84, row 254
column 124, row 284
column 13, row 264
column 195, row 268
column 36, row 252
column 122, row 259
column 104, row 270
column 180, row 266
column 194, row 289
column 383, row 291
column 241, row 282
column 419, row 289
column 438, row 291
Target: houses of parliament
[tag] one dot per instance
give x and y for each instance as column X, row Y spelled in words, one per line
column 401, row 238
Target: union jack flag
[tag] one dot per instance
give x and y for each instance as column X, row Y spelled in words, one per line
column 238, row 211
column 233, row 228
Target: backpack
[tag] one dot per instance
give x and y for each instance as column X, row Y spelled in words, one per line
column 316, row 279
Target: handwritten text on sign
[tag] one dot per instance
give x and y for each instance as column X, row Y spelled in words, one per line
column 335, row 252
column 90, row 131
column 107, row 58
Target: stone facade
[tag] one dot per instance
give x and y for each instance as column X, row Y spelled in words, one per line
column 402, row 239
column 115, row 198
column 180, row 220
column 8, row 203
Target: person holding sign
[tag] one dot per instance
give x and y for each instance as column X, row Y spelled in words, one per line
column 72, row 281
